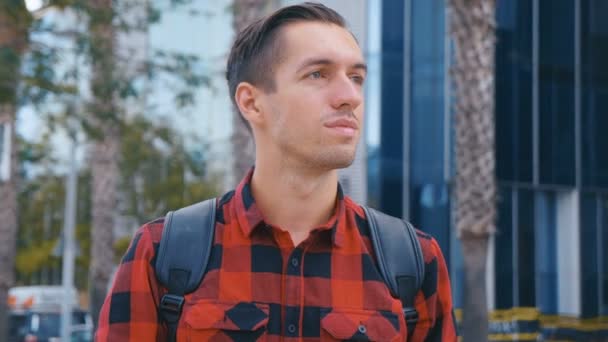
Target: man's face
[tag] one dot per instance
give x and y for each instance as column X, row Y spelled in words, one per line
column 315, row 114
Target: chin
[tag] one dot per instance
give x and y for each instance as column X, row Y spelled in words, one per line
column 333, row 161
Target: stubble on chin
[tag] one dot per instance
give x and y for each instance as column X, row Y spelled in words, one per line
column 332, row 159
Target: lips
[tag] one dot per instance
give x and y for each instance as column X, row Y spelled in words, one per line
column 343, row 127
column 342, row 123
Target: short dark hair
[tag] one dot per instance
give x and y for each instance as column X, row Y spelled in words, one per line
column 256, row 51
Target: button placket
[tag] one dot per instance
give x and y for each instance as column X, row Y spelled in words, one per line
column 295, row 262
column 293, row 292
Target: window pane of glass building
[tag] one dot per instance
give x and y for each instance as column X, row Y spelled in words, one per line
column 546, row 251
column 604, row 255
column 589, row 254
column 391, row 122
column 525, row 248
column 594, row 105
column 556, row 92
column 427, row 91
column 429, row 206
column 514, row 90
column 504, row 250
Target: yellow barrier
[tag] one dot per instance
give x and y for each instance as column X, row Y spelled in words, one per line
column 528, row 324
column 588, row 324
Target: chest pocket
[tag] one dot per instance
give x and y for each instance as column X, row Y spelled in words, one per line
column 220, row 321
column 359, row 325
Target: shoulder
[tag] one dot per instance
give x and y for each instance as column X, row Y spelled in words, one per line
column 154, row 229
column 145, row 242
column 429, row 246
column 150, row 232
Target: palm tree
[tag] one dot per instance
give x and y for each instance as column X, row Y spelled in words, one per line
column 106, row 149
column 245, row 12
column 14, row 24
column 472, row 27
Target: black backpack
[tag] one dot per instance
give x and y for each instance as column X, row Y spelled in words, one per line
column 188, row 236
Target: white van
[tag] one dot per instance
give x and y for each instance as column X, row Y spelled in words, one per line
column 35, row 314
column 40, row 297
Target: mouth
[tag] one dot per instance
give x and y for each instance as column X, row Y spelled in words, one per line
column 344, row 127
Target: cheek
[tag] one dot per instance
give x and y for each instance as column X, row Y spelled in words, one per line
column 297, row 126
column 296, row 114
column 360, row 112
column 299, row 118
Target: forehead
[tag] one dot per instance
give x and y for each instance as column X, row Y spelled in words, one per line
column 305, row 40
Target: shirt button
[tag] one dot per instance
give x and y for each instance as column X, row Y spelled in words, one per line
column 291, row 328
column 362, row 329
column 295, row 262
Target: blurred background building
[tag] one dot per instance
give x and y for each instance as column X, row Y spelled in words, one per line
column 551, row 249
column 548, row 265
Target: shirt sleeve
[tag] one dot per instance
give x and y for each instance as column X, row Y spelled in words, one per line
column 434, row 300
column 129, row 311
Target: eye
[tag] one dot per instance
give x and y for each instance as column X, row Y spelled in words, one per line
column 315, row 75
column 358, row 79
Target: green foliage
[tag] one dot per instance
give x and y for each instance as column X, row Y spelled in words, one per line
column 35, row 257
column 14, row 20
column 157, row 174
column 160, row 173
column 40, row 222
column 39, row 77
column 9, row 63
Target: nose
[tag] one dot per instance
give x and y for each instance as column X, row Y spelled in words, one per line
column 345, row 93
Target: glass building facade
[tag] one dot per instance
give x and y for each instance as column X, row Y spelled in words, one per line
column 551, row 249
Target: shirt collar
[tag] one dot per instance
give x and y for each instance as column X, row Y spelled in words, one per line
column 250, row 217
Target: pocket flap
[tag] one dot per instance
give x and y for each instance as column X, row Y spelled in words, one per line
column 241, row 316
column 361, row 325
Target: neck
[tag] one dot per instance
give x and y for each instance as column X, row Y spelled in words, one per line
column 295, row 199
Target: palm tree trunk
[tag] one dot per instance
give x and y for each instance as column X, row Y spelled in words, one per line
column 475, row 313
column 8, row 221
column 14, row 22
column 245, row 12
column 472, row 26
column 104, row 160
column 104, row 192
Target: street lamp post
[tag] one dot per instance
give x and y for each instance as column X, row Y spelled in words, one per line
column 68, row 245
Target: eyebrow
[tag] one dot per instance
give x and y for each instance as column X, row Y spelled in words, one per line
column 324, row 61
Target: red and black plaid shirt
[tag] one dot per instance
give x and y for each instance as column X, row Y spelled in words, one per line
column 259, row 285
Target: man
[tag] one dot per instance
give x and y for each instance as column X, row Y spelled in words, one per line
column 291, row 258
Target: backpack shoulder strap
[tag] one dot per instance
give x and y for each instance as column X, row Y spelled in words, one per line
column 182, row 257
column 399, row 258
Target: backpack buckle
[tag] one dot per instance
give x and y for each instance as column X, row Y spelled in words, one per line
column 411, row 315
column 171, row 307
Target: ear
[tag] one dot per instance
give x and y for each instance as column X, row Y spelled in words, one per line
column 246, row 97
